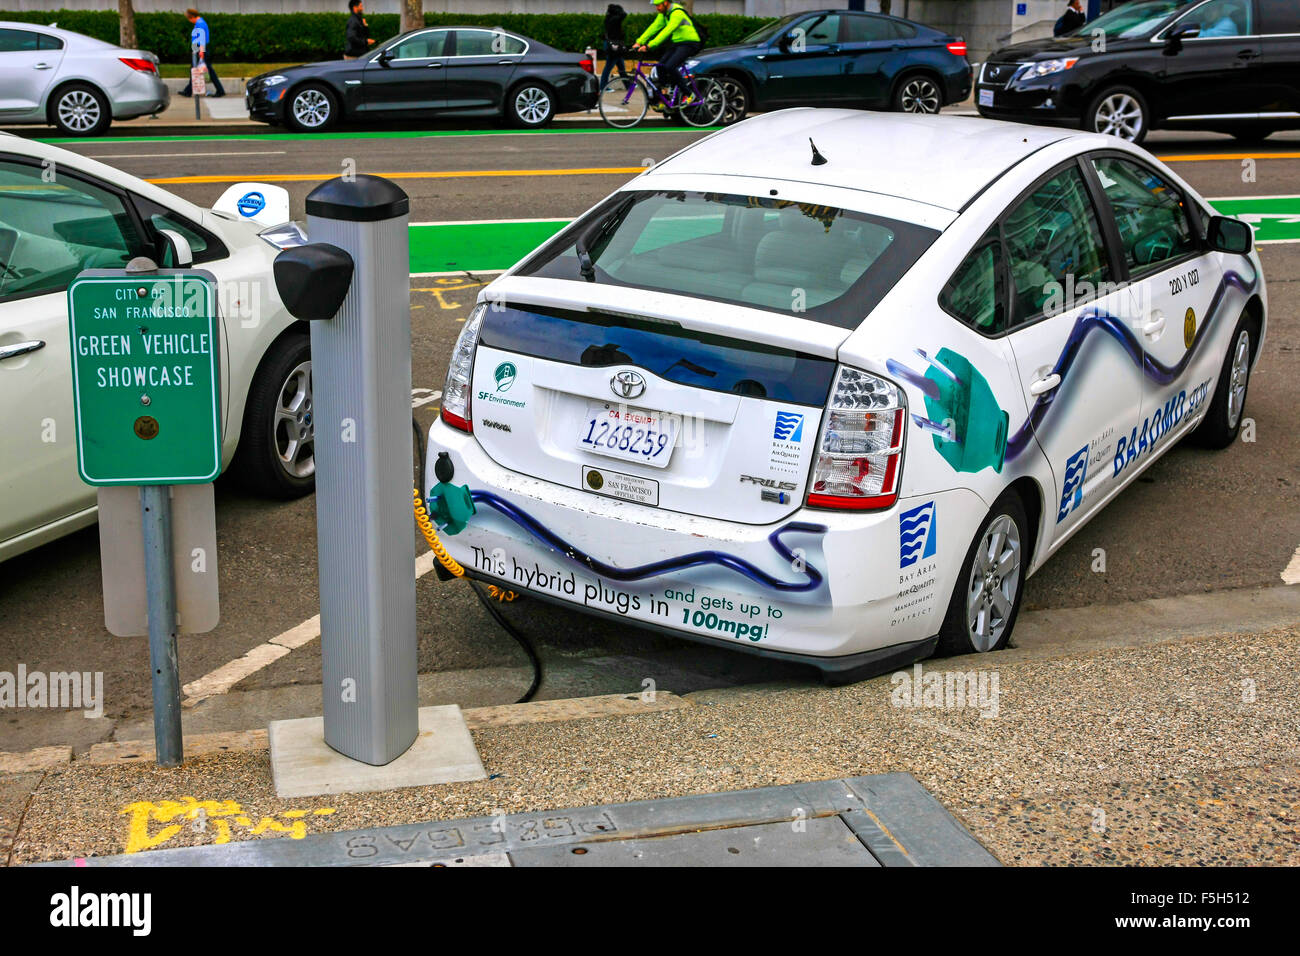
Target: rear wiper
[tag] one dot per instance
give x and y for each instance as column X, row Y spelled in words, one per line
column 593, row 234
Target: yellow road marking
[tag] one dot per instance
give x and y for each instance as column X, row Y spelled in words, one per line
column 1222, row 157
column 432, row 174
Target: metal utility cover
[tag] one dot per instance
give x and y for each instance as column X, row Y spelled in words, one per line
column 145, row 383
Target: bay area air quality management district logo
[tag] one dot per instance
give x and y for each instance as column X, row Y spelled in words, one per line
column 505, row 376
column 916, row 535
column 789, row 427
column 1076, row 469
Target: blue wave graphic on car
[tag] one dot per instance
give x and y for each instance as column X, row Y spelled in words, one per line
column 789, row 427
column 813, row 577
column 1091, row 320
column 1076, row 469
column 916, row 534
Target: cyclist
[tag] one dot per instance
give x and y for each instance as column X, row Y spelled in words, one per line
column 673, row 31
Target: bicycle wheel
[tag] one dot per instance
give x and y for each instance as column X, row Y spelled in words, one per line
column 623, row 103
column 708, row 104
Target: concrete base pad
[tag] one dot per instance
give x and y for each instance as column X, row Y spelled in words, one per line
column 303, row 765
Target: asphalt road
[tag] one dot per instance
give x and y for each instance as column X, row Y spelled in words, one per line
column 1196, row 521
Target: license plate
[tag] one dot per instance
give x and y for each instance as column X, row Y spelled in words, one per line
column 986, row 97
column 632, row 434
column 615, row 484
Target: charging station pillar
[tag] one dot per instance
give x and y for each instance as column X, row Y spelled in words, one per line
column 361, row 388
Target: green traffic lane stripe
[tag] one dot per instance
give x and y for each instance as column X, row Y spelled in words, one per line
column 494, row 245
column 394, row 134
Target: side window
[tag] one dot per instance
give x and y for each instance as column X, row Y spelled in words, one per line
column 1279, row 16
column 18, row 41
column 50, row 231
column 1054, row 246
column 867, row 29
column 204, row 245
column 483, row 43
column 976, row 293
column 1153, row 223
column 1221, row 18
column 819, row 30
column 422, row 46
column 47, row 42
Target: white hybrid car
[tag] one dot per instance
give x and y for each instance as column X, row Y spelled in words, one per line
column 830, row 385
column 61, row 213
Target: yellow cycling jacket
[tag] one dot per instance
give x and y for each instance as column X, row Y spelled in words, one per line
column 677, row 26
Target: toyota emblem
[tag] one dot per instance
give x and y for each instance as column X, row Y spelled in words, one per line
column 628, row 384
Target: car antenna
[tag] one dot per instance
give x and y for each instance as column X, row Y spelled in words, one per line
column 818, row 159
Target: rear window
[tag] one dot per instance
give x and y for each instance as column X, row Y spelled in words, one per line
column 688, row 357
column 818, row 262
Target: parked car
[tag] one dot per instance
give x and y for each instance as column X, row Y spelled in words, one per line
column 1230, row 66
column 74, row 82
column 833, row 403
column 455, row 71
column 840, row 58
column 89, row 215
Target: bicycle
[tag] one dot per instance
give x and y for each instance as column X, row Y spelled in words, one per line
column 624, row 101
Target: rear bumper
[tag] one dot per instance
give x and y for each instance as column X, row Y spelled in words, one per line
column 577, row 93
column 139, row 95
column 824, row 588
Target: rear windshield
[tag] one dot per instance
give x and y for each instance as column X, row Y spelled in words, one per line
column 821, row 263
column 699, row 359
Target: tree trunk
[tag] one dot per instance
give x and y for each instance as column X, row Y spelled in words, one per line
column 126, row 24
column 412, row 14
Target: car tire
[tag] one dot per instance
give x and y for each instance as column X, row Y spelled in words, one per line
column 1120, row 111
column 276, row 456
column 1223, row 418
column 1253, row 134
column 311, row 108
column 79, row 109
column 977, row 622
column 530, row 106
column 918, row 93
column 737, row 100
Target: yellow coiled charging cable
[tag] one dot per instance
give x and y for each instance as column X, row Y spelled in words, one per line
column 430, row 533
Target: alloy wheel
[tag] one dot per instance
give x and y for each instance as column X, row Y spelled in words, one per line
column 1240, row 377
column 1119, row 115
column 532, row 105
column 920, row 95
column 993, row 584
column 311, row 108
column 78, row 110
column 294, row 426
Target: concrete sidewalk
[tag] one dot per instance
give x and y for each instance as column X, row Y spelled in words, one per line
column 1180, row 751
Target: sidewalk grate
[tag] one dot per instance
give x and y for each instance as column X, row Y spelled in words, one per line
column 879, row 820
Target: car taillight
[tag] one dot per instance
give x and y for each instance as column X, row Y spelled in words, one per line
column 587, row 65
column 139, row 63
column 958, row 48
column 860, row 454
column 460, row 373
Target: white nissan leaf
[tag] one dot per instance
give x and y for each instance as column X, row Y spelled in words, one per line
column 828, row 386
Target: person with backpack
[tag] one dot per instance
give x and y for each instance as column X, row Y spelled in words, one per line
column 674, row 32
column 612, row 43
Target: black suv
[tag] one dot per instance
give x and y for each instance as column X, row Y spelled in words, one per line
column 1232, row 66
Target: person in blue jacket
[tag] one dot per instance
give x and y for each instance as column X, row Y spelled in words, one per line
column 200, row 34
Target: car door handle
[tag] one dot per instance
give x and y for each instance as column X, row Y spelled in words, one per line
column 435, row 66
column 505, row 62
column 42, row 66
column 1247, row 55
column 1044, row 385
column 20, row 348
column 1153, row 328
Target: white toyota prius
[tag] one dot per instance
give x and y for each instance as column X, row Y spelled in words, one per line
column 829, row 385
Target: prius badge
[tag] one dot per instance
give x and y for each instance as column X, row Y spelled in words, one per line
column 627, row 384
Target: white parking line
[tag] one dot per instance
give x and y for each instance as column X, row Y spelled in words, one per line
column 1291, row 573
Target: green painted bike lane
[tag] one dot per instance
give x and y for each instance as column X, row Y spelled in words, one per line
column 456, row 247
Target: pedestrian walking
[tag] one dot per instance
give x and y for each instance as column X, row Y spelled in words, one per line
column 612, row 43
column 200, row 34
column 1071, row 19
column 358, row 39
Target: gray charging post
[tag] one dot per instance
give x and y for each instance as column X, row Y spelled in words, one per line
column 361, row 387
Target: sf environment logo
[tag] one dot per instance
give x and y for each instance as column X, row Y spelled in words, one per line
column 505, row 376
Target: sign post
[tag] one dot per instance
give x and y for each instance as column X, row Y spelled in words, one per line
column 146, row 396
column 198, row 79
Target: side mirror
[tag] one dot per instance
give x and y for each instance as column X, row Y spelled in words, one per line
column 783, row 44
column 176, row 252
column 1185, row 31
column 384, row 57
column 1229, row 235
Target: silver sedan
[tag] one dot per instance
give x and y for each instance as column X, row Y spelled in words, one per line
column 74, row 82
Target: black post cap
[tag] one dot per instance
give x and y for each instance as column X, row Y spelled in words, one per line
column 313, row 280
column 361, row 199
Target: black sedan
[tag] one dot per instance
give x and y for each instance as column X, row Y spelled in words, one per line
column 445, row 71
column 1231, row 66
column 840, row 58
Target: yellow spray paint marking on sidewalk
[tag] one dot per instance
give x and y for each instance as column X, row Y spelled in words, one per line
column 203, row 816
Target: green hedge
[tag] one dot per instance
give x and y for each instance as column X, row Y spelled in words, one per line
column 302, row 37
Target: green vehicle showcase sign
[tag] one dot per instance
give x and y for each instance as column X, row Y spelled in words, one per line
column 145, row 382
